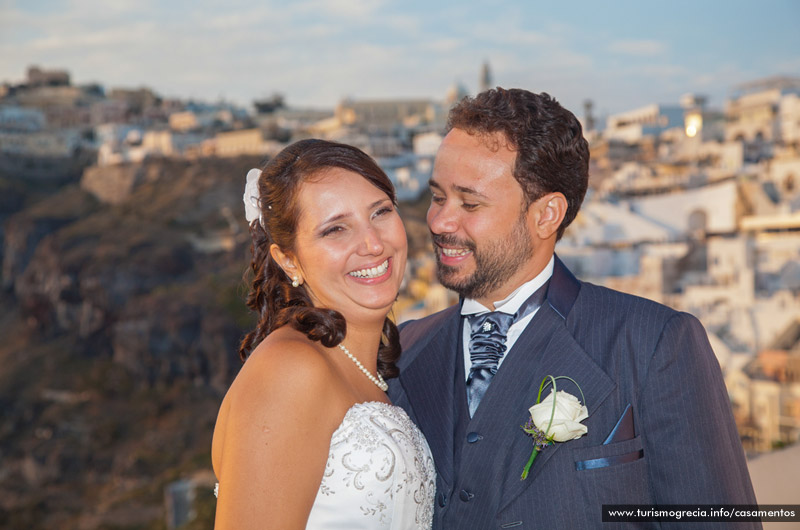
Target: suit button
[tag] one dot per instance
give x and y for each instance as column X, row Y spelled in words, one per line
column 473, row 437
column 465, row 496
column 442, row 499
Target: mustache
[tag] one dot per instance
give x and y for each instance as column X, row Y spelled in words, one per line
column 452, row 241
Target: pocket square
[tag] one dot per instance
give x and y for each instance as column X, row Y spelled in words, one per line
column 597, row 463
column 622, row 434
column 623, row 430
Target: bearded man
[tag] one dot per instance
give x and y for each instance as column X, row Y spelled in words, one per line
column 508, row 179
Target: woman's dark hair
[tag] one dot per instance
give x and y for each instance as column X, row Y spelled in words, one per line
column 272, row 295
column 552, row 154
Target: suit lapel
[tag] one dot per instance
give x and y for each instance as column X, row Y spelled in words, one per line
column 545, row 348
column 428, row 382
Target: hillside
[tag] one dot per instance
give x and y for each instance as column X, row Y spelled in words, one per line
column 120, row 319
column 120, row 325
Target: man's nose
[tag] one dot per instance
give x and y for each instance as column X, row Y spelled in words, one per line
column 442, row 219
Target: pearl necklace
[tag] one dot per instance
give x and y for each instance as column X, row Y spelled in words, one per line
column 379, row 382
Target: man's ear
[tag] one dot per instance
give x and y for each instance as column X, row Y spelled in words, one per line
column 286, row 262
column 549, row 211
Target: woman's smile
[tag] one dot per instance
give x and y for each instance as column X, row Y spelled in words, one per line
column 373, row 274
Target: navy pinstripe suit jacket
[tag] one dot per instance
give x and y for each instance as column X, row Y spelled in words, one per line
column 622, row 350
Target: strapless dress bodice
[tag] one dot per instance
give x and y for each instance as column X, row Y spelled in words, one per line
column 379, row 474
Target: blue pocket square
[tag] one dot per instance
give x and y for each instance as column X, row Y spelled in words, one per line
column 622, row 433
column 623, row 430
column 597, row 463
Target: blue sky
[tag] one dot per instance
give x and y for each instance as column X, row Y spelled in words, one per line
column 621, row 54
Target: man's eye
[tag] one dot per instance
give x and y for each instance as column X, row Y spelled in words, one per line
column 468, row 206
column 437, row 199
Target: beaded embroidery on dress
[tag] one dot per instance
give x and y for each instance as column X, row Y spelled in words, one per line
column 380, row 473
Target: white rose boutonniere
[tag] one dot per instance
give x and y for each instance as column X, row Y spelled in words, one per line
column 568, row 412
column 555, row 419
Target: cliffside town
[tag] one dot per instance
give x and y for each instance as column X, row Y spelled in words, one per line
column 123, row 248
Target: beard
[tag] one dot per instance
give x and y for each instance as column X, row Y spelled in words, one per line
column 495, row 262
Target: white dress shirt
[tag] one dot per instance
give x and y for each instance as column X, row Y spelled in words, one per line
column 509, row 305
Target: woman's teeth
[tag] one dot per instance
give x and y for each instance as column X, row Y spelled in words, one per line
column 373, row 272
column 453, row 252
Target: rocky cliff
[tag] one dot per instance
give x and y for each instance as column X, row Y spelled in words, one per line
column 120, row 312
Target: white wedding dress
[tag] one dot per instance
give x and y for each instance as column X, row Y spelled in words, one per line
column 379, row 473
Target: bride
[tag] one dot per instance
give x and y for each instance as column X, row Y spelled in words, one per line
column 306, row 436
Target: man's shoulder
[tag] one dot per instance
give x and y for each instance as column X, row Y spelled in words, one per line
column 610, row 323
column 411, row 331
column 621, row 297
column 642, row 322
column 612, row 304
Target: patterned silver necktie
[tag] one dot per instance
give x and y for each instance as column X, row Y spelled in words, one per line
column 487, row 345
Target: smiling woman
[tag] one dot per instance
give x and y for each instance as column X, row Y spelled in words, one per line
column 306, row 436
column 352, row 236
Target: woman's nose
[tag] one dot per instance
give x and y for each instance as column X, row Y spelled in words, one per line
column 372, row 242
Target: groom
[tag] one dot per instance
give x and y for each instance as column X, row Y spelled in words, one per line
column 508, row 179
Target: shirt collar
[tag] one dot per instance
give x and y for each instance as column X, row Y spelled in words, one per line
column 511, row 303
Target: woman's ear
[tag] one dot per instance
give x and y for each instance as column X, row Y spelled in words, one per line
column 549, row 211
column 288, row 263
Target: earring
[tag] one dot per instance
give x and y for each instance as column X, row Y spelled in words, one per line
column 295, row 282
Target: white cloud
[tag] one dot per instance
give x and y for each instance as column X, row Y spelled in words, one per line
column 352, row 10
column 317, row 51
column 639, row 48
column 403, row 23
column 443, row 45
column 787, row 66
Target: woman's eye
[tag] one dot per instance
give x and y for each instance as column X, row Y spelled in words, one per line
column 437, row 199
column 383, row 211
column 331, row 230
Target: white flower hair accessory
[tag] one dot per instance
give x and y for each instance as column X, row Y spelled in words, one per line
column 252, row 211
